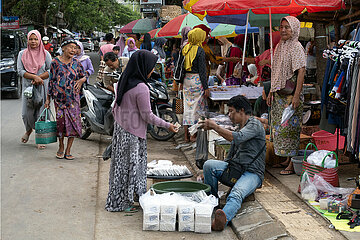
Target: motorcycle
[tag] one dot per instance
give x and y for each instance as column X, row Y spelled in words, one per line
column 96, row 114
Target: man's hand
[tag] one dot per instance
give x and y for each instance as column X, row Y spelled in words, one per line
column 208, row 124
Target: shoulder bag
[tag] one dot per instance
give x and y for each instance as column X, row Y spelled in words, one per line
column 234, row 170
column 290, row 85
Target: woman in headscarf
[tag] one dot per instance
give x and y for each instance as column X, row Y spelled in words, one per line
column 130, row 48
column 147, row 43
column 84, row 60
column 235, row 51
column 289, row 61
column 264, row 59
column 132, row 113
column 121, row 44
column 184, row 36
column 66, row 78
column 158, row 49
column 195, row 84
column 33, row 66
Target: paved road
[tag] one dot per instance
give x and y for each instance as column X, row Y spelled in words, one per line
column 46, row 198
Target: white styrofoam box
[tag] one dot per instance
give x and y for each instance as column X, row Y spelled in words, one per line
column 167, row 227
column 151, row 208
column 151, row 226
column 168, row 218
column 186, row 209
column 151, row 217
column 203, row 209
column 202, row 228
column 203, row 219
column 186, row 227
column 186, row 218
column 168, row 209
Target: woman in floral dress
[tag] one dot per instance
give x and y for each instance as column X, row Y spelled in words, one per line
column 66, row 78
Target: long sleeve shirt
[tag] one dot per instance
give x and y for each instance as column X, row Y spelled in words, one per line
column 134, row 112
column 247, row 143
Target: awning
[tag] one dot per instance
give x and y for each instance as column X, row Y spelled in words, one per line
column 58, row 30
column 68, row 32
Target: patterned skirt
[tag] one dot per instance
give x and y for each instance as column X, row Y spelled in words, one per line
column 68, row 120
column 287, row 135
column 127, row 174
column 194, row 102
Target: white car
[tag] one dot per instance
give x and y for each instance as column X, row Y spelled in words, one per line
column 87, row 44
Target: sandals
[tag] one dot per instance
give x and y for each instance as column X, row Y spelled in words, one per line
column 69, row 157
column 131, row 209
column 60, row 155
column 25, row 138
column 41, row 146
column 287, row 172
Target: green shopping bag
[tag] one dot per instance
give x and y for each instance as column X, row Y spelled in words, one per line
column 45, row 130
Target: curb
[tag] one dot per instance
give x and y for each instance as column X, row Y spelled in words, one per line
column 252, row 221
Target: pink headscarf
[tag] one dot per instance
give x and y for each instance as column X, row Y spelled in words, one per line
column 133, row 41
column 289, row 56
column 106, row 48
column 34, row 58
column 121, row 44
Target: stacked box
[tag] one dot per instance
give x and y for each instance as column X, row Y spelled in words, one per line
column 168, row 217
column 186, row 218
column 169, row 12
column 203, row 214
column 151, row 217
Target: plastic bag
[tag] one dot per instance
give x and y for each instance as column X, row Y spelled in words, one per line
column 308, row 189
column 287, row 114
column 238, row 70
column 28, row 92
column 201, row 154
column 324, row 186
column 316, row 158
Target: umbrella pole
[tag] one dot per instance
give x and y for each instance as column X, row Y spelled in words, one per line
column 253, row 43
column 271, row 42
column 246, row 30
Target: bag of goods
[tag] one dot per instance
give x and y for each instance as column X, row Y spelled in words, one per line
column 203, row 214
column 186, row 217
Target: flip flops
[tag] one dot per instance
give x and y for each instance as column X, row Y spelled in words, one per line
column 131, row 209
column 69, row 157
column 41, row 146
column 59, row 155
column 287, row 172
column 25, row 138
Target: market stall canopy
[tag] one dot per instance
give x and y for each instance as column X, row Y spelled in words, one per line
column 231, row 7
column 228, row 30
column 153, row 33
column 139, row 26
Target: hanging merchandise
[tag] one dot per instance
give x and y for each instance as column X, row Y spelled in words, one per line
column 340, row 95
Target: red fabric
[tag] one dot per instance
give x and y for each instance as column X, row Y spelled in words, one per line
column 203, row 27
column 128, row 27
column 172, row 28
column 293, row 7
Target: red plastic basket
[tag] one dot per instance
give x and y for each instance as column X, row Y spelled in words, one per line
column 327, row 141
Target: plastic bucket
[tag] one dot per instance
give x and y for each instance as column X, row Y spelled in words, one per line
column 297, row 162
column 327, row 141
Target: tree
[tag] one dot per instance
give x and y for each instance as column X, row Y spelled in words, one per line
column 80, row 15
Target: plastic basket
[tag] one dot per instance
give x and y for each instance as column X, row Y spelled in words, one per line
column 327, row 141
column 45, row 131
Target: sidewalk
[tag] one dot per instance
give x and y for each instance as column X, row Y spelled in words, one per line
column 277, row 213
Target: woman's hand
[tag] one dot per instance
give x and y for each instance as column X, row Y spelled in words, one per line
column 47, row 103
column 78, row 84
column 173, row 129
column 207, row 93
column 295, row 101
column 37, row 81
column 269, row 99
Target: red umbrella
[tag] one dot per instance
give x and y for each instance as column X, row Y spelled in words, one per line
column 128, row 27
column 152, row 33
column 293, row 7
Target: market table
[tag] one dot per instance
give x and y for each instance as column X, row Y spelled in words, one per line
column 221, row 94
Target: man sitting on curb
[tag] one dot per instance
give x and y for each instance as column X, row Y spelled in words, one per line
column 247, row 149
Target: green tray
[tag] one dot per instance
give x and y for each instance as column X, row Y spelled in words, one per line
column 180, row 187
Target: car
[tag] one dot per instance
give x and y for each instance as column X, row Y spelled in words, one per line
column 12, row 42
column 87, row 43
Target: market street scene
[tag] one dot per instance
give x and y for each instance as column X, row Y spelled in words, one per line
column 171, row 119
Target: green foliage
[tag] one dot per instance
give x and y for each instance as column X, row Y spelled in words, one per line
column 80, row 15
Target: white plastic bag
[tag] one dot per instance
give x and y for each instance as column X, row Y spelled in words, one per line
column 287, row 114
column 324, row 186
column 317, row 157
column 28, row 92
column 308, row 189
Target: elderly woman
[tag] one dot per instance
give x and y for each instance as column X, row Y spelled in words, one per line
column 132, row 113
column 130, row 48
column 195, row 84
column 288, row 64
column 66, row 78
column 33, row 66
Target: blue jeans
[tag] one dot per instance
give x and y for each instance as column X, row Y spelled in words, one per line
column 244, row 186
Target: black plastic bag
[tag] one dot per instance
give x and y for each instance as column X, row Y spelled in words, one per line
column 107, row 153
column 201, row 154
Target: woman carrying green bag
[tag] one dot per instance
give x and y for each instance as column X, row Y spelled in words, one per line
column 66, row 78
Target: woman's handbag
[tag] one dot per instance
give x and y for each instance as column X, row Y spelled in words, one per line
column 45, row 129
column 178, row 104
column 330, row 175
column 234, row 171
column 290, row 86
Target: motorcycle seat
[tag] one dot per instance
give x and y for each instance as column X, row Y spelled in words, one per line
column 99, row 93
